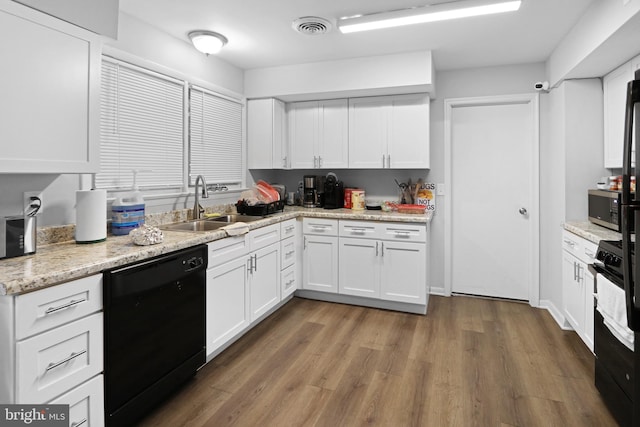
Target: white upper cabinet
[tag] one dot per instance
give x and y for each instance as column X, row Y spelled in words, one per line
column 389, row 132
column 318, row 134
column 266, row 134
column 49, row 109
column 615, row 95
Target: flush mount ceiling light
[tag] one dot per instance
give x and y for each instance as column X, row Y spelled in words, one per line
column 423, row 14
column 207, row 41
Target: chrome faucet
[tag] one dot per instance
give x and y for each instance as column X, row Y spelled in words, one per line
column 197, row 209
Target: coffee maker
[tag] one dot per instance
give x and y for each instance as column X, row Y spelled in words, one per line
column 310, row 195
column 333, row 192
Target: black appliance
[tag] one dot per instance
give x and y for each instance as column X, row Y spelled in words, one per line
column 154, row 331
column 310, row 195
column 605, row 208
column 630, row 214
column 333, row 192
column 614, row 364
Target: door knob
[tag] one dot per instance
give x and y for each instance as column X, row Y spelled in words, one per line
column 523, row 211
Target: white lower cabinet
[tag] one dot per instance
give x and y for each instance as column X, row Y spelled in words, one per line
column 86, row 403
column 388, row 262
column 577, row 285
column 51, row 348
column 264, row 280
column 243, row 283
column 227, row 302
column 320, row 263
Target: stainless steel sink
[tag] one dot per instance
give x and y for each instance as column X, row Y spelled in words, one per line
column 193, row 226
column 231, row 218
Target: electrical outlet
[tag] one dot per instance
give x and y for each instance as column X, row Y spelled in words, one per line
column 30, row 202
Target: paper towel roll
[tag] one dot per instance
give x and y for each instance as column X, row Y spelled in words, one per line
column 91, row 214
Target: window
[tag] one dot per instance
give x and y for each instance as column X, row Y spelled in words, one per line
column 215, row 138
column 143, row 127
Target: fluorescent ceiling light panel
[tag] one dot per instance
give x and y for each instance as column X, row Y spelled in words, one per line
column 423, row 14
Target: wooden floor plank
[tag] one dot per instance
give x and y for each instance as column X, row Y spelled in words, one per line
column 468, row 362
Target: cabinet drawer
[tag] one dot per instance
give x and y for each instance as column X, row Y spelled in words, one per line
column 582, row 249
column 319, row 226
column 51, row 307
column 227, row 249
column 360, row 229
column 55, row 361
column 288, row 281
column 287, row 252
column 261, row 237
column 86, row 403
column 288, row 228
column 404, row 232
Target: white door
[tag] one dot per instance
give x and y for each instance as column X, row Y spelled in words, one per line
column 359, row 267
column 265, row 280
column 320, row 263
column 493, row 149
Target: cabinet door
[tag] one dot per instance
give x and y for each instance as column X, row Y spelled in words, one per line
column 280, row 148
column 288, row 281
column 49, row 108
column 320, row 263
column 86, row 403
column 404, row 272
column 368, row 126
column 264, row 282
column 572, row 292
column 333, row 143
column 303, row 134
column 260, row 134
column 227, row 302
column 408, row 145
column 359, row 267
column 615, row 92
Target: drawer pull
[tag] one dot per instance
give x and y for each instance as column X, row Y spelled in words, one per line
column 570, row 243
column 402, row 233
column 358, row 230
column 290, row 282
column 62, row 362
column 64, row 306
column 79, row 423
column 319, row 227
column 289, row 228
column 288, row 254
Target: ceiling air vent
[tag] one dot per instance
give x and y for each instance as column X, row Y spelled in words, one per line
column 311, row 25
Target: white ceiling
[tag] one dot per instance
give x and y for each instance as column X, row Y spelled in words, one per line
column 260, row 32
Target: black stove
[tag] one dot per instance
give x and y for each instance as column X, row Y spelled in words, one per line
column 609, row 257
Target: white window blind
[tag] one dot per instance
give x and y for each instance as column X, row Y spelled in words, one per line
column 141, row 127
column 215, row 138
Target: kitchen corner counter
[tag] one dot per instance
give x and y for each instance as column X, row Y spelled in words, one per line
column 61, row 262
column 592, row 232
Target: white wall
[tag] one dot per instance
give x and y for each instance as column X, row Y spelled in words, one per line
column 136, row 40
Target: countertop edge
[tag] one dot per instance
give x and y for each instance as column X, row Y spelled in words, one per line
column 107, row 256
column 591, row 232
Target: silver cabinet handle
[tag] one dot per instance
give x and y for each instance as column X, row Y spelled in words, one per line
column 72, row 356
column 357, row 230
column 377, row 248
column 250, row 265
column 523, row 211
column 289, row 283
column 570, row 243
column 64, row 306
column 288, row 254
column 589, row 253
column 389, row 161
column 383, row 163
column 304, row 242
column 289, row 228
column 284, row 162
column 319, row 161
column 315, row 164
column 319, row 228
column 255, row 266
column 79, row 423
column 381, row 248
column 402, row 233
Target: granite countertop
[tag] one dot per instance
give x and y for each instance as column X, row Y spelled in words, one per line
column 61, row 262
column 592, row 232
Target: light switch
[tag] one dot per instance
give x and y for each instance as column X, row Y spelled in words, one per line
column 440, row 189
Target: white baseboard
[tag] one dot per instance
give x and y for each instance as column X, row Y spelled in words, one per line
column 556, row 314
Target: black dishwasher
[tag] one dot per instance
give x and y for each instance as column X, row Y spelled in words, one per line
column 154, row 331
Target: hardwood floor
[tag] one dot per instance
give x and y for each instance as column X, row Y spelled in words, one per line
column 468, row 362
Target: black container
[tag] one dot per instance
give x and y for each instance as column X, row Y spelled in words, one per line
column 259, row 210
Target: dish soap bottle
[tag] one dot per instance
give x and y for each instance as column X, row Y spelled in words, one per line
column 127, row 211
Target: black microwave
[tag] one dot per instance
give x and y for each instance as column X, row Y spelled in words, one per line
column 604, row 209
